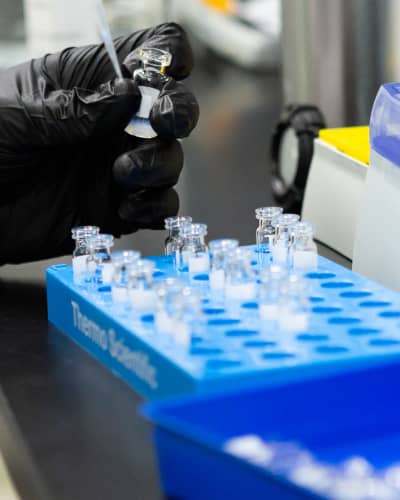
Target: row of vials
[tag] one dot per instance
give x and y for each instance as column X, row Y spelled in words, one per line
column 229, row 275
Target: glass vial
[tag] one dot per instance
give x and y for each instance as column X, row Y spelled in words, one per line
column 150, row 78
column 188, row 319
column 272, row 280
column 282, row 240
column 265, row 234
column 81, row 234
column 294, row 309
column 240, row 280
column 99, row 260
column 194, row 255
column 174, row 240
column 166, row 290
column 219, row 249
column 141, row 293
column 304, row 249
column 122, row 261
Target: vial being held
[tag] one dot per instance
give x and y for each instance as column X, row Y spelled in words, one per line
column 81, row 234
column 283, row 238
column 99, row 263
column 174, row 240
column 194, row 254
column 142, row 295
column 219, row 249
column 265, row 234
column 240, row 280
column 304, row 252
column 122, row 261
column 150, row 79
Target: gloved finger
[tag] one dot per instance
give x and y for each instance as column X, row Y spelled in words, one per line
column 72, row 116
column 147, row 209
column 168, row 36
column 175, row 112
column 153, row 163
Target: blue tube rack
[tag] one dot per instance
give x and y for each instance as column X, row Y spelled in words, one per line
column 354, row 323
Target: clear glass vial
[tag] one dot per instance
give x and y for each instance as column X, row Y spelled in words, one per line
column 194, row 253
column 304, row 250
column 166, row 291
column 174, row 240
column 81, row 234
column 265, row 234
column 240, row 279
column 99, row 259
column 150, row 78
column 188, row 320
column 122, row 260
column 219, row 249
column 294, row 308
column 141, row 291
column 283, row 238
column 272, row 280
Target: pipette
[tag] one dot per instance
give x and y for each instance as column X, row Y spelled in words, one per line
column 107, row 38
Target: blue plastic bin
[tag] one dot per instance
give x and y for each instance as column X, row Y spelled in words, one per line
column 334, row 418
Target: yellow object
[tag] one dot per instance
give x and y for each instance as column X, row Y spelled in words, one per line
column 352, row 141
column 226, row 6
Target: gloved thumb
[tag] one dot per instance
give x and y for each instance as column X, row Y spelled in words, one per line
column 73, row 116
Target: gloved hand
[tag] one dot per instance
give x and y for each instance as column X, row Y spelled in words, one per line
column 65, row 159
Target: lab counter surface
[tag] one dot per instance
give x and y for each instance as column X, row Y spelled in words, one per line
column 80, row 423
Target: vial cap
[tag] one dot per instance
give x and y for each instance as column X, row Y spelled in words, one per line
column 302, row 229
column 79, row 232
column 169, row 286
column 194, row 230
column 287, row 220
column 240, row 254
column 175, row 222
column 268, row 212
column 223, row 245
column 143, row 267
column 125, row 256
column 101, row 240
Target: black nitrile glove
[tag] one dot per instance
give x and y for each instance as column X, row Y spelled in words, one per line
column 65, row 159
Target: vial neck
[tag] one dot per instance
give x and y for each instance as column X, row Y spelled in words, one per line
column 81, row 244
column 265, row 221
column 174, row 232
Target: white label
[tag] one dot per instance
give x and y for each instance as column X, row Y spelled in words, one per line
column 182, row 333
column 107, row 271
column 217, row 279
column 279, row 254
column 149, row 95
column 119, row 294
column 199, row 263
column 305, row 260
column 293, row 321
column 142, row 300
column 245, row 291
column 79, row 265
column 163, row 322
column 269, row 312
